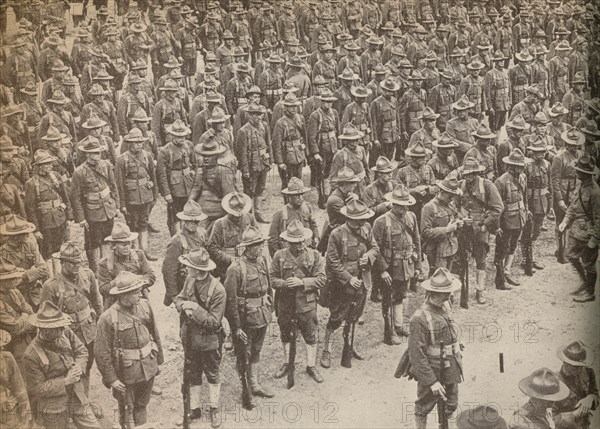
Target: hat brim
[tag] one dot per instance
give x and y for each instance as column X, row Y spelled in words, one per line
column 367, row 215
column 183, row 259
column 94, row 150
column 307, row 235
column 563, row 391
column 304, row 190
column 560, row 353
column 87, row 125
column 453, row 286
column 436, row 143
column 582, row 170
column 225, row 118
column 187, row 132
column 429, row 117
column 47, row 160
column 409, row 152
column 537, row 148
column 390, row 197
column 198, row 218
column 132, row 287
column 16, row 274
column 507, row 160
column 60, row 323
column 456, row 106
column 480, row 169
column 456, row 191
column 27, row 230
column 579, row 142
column 392, row 167
column 251, row 243
column 330, row 99
column 353, row 179
column 481, row 66
column 218, row 151
column 491, row 136
column 132, row 236
column 553, row 114
column 595, row 107
column 247, row 205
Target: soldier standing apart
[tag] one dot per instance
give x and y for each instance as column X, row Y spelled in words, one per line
column 136, row 181
column 351, row 250
column 201, row 304
column 480, row 202
column 583, row 222
column 74, row 290
column 128, row 351
column 175, row 171
column 439, row 222
column 249, row 308
column 384, row 114
column 94, row 198
column 298, row 273
column 397, row 235
column 289, row 144
column 254, row 153
column 433, row 325
column 497, row 92
column 512, row 187
column 190, row 237
column 56, row 357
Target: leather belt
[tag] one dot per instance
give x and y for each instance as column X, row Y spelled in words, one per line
column 450, row 349
column 98, row 195
column 511, row 207
column 49, row 205
column 81, row 316
column 139, row 354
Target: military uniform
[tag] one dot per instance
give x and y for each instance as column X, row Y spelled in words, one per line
column 128, row 349
column 270, row 83
column 289, row 146
column 564, row 182
column 359, row 115
column 137, row 46
column 235, row 92
column 13, row 393
column 558, row 71
column 573, row 101
column 187, row 39
column 539, row 195
column 356, row 160
column 441, row 167
column 322, row 133
column 65, row 122
column 374, row 197
column 254, row 152
column 225, row 236
column 440, row 99
column 283, row 217
column 386, row 129
column 540, row 77
column 513, row 218
column 413, row 178
column 497, row 96
column 410, row 107
column 166, row 113
column 487, row 157
column 519, row 77
column 14, row 313
column 11, row 201
column 105, row 110
column 439, row 244
column 581, row 384
column 129, row 102
column 460, row 130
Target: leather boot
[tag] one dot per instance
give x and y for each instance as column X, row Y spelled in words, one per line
column 536, row 264
column 420, row 422
column 326, row 355
column 481, row 276
column 398, row 320
column 589, row 295
column 387, row 339
column 284, row 368
column 258, row 214
column 143, row 241
column 255, row 386
column 214, row 394
column 582, row 275
column 507, row 267
column 311, row 363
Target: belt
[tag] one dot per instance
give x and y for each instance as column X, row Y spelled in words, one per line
column 81, row 316
column 330, row 134
column 138, row 354
column 49, row 205
column 140, row 182
column 24, row 74
column 543, row 191
column 450, row 349
column 277, row 91
column 295, row 142
column 98, row 195
column 242, row 100
column 184, row 171
column 253, row 302
column 229, row 250
column 511, row 207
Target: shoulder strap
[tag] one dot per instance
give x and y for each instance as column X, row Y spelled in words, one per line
column 388, row 228
column 184, row 243
column 429, row 324
column 211, row 290
column 41, row 354
column 244, row 269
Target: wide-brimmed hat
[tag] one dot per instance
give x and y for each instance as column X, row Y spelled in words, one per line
column 538, row 145
column 584, row 164
column 380, row 70
column 471, row 165
column 137, row 27
column 442, row 281
column 593, row 104
column 236, row 203
column 288, row 87
column 30, row 88
column 327, row 95
column 198, row 259
column 557, row 110
column 416, row 75
column 348, row 74
column 352, row 46
column 96, row 89
column 347, row 175
column 11, row 109
column 140, row 115
column 4, row 338
column 449, row 184
column 544, row 384
column 463, row 103
column 515, row 157
column 518, row 122
column 445, row 142
column 251, row 236
column 429, row 114
column 290, row 99
column 390, row 84
column 457, row 52
column 53, row 134
column 274, row 58
column 357, row 210
column 295, row 61
column 242, row 67
column 191, row 211
column 210, row 147
column 255, row 108
column 6, row 144
column 217, row 116
column 178, row 128
column 121, row 233
column 139, row 65
column 16, row 225
column 481, row 417
column 135, row 136
column 49, row 316
column 94, row 121
column 417, row 150
column 384, row 165
column 541, row 118
column 90, row 144
column 498, row 56
column 398, row 50
column 573, row 137
column 170, row 85
column 350, row 132
column 576, row 353
column 70, row 251
column 102, row 75
column 524, row 56
column 563, row 46
column 126, row 282
column 483, row 132
column 42, row 156
column 360, row 91
column 296, row 232
column 59, row 66
column 295, row 187
column 400, row 196
column 58, row 97
column 579, row 78
column 590, row 129
column 9, row 271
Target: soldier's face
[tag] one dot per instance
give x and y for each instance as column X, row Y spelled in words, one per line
column 191, row 225
column 463, row 114
column 51, row 334
column 297, row 247
column 254, row 118
column 218, row 126
column 346, row 188
column 96, row 132
column 254, row 251
column 136, row 147
column 438, row 298
column 297, row 200
column 122, row 248
column 470, row 178
column 542, row 128
column 417, row 161
column 70, row 268
column 93, row 157
column 385, row 177
column 539, row 155
column 130, row 299
column 44, row 169
column 429, row 125
column 356, row 223
column 254, row 98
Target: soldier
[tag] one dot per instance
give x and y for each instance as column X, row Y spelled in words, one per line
column 271, row 81
column 23, row 67
column 56, row 355
column 201, row 304
column 439, row 223
column 573, row 99
column 249, row 307
column 397, row 235
column 288, row 144
column 175, row 171
column 137, row 44
column 497, row 92
column 359, row 114
column 350, row 155
column 417, row 176
column 410, row 106
column 444, row 161
column 374, row 194
column 255, row 154
column 512, row 186
column 351, row 250
column 515, row 129
column 441, row 97
column 558, row 72
column 167, row 111
column 74, row 290
column 47, row 203
column 326, row 66
column 214, row 179
column 582, row 220
column 13, row 387
column 370, row 57
column 539, row 71
column 504, row 40
column 384, row 111
column 136, row 182
column 127, row 349
column 424, row 348
column 227, row 231
column 461, row 127
column 57, row 117
column 130, row 102
column 342, row 94
column 299, row 76
column 56, row 82
column 20, row 249
column 481, row 207
column 457, row 66
column 237, row 87
column 351, row 60
column 520, row 76
column 298, row 274
column 484, row 151
column 428, row 132
column 417, row 49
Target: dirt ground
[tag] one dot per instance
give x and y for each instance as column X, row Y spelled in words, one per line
column 525, row 325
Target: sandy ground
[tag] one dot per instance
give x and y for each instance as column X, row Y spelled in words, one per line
column 526, row 325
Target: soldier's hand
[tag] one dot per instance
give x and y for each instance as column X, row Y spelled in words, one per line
column 351, row 197
column 124, row 211
column 376, row 144
column 282, row 166
column 118, row 386
column 73, row 376
column 452, row 226
column 293, row 282
column 387, row 279
column 592, row 243
column 355, row 282
column 318, row 158
column 562, row 206
column 584, row 407
column 363, row 261
column 38, row 235
column 241, row 335
column 168, row 199
column 562, row 227
column 438, row 390
column 405, row 135
column 84, row 224
column 246, row 175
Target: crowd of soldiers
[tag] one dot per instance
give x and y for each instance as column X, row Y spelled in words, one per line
column 430, row 128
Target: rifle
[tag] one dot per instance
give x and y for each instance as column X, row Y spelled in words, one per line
column 348, row 339
column 185, row 385
column 464, row 262
column 526, row 241
column 441, row 403
column 499, row 261
column 127, row 418
column 293, row 339
column 562, row 236
column 242, row 353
